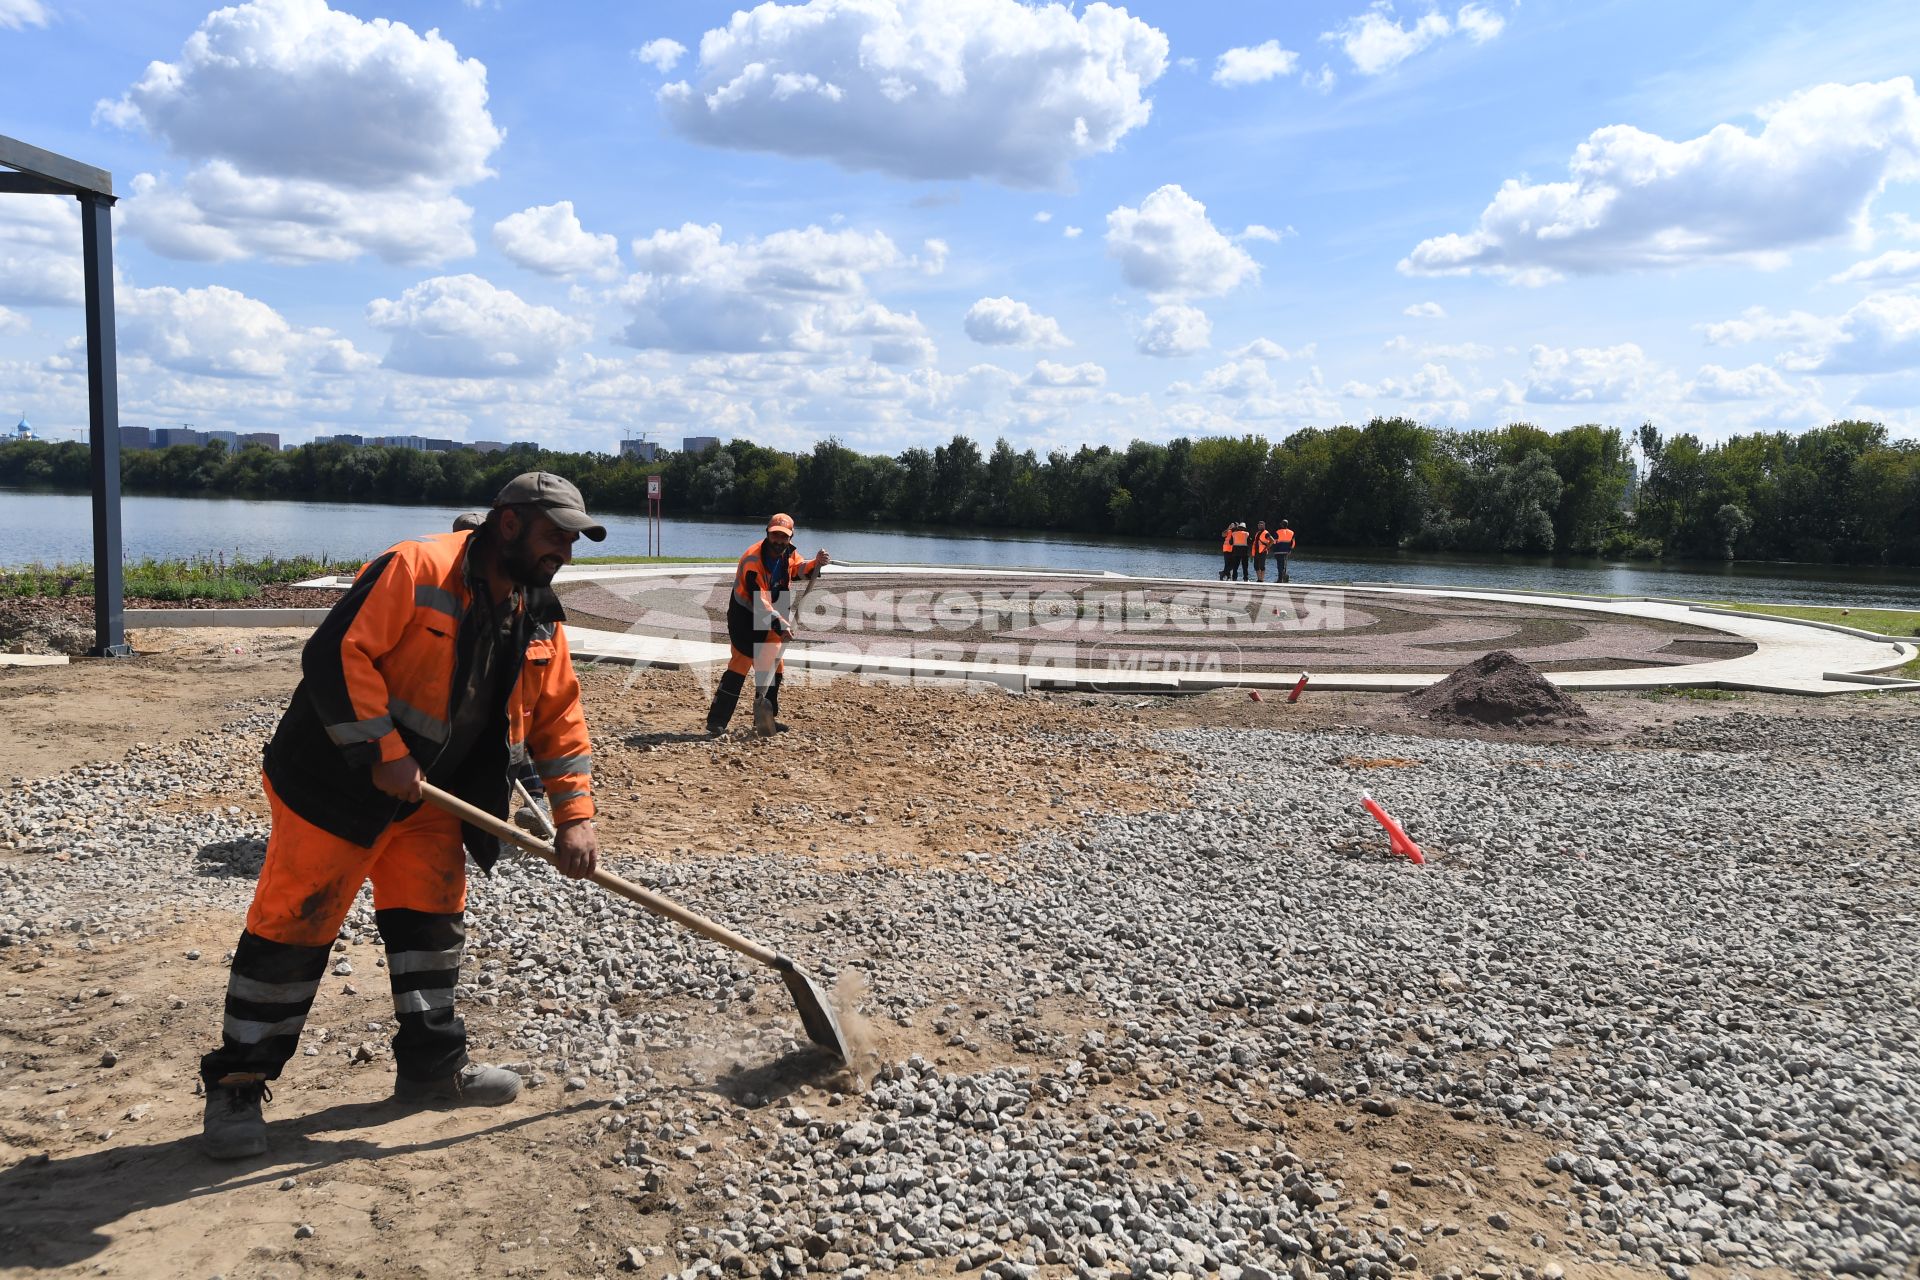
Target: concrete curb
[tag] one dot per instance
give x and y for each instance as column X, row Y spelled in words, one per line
column 137, row 619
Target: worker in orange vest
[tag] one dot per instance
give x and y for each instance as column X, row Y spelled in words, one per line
column 756, row 629
column 1283, row 543
column 1226, row 551
column 1242, row 551
column 446, row 662
column 1262, row 543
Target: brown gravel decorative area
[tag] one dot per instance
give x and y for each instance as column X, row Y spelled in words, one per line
column 1110, row 623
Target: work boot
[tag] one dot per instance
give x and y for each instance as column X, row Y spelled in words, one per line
column 763, row 721
column 234, row 1127
column 471, row 1086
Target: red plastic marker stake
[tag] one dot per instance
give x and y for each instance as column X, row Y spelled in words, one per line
column 1255, row 695
column 1298, row 687
column 1398, row 838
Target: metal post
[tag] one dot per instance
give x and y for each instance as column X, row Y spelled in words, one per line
column 103, row 427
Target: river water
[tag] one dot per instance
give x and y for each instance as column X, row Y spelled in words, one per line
column 57, row 528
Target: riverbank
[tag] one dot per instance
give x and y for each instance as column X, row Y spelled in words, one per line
column 1144, row 994
column 57, row 528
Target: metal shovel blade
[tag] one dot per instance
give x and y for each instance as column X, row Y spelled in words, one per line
column 763, row 723
column 816, row 1011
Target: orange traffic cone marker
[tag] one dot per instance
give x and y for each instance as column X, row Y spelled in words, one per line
column 1397, row 838
column 1299, row 686
column 1255, row 695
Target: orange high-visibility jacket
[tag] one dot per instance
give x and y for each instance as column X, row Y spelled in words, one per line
column 1239, row 539
column 378, row 682
column 751, row 588
column 1226, row 541
column 1284, row 539
column 1262, row 542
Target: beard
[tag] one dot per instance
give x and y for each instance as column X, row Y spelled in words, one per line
column 520, row 564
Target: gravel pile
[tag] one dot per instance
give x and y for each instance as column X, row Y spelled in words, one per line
column 1682, row 968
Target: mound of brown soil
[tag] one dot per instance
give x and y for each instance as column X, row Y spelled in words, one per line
column 1498, row 689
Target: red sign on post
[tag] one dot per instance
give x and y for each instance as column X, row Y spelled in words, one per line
column 653, row 486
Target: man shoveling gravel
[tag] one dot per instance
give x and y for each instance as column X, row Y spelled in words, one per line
column 445, row 662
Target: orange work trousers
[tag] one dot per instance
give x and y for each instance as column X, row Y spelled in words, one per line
column 311, row 876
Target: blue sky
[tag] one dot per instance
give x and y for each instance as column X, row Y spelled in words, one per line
column 888, row 221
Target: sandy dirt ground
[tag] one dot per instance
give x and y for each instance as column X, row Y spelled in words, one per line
column 99, row 1169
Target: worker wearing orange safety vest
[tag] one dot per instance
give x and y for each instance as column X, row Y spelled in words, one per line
column 1283, row 542
column 1242, row 550
column 756, row 629
column 444, row 663
column 1262, row 543
column 1226, row 552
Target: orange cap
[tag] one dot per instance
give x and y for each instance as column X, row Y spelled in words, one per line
column 781, row 523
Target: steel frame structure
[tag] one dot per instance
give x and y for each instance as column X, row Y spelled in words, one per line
column 30, row 171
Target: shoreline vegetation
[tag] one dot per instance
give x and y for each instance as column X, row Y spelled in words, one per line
column 215, row 578
column 1840, row 494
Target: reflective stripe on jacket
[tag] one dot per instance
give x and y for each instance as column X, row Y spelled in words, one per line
column 1239, row 539
column 378, row 681
column 752, row 590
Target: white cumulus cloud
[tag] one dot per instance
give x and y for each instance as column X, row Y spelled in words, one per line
column 1376, row 41
column 315, row 135
column 1895, row 264
column 989, row 89
column 1174, row 330
column 1004, row 322
column 1242, row 66
column 1715, row 384
column 1169, row 248
column 1268, row 349
column 1636, row 200
column 1586, row 375
column 1878, row 334
column 15, row 14
column 1426, row 311
column 548, row 238
column 466, row 327
column 216, row 332
column 662, row 54
column 801, row 290
column 40, row 263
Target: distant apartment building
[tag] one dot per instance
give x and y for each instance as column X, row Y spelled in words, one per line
column 699, row 444
column 262, row 439
column 487, row 446
column 231, row 439
column 343, row 438
column 640, row 450
column 133, row 439
column 167, row 437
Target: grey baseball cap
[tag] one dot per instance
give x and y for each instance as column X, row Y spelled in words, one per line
column 555, row 496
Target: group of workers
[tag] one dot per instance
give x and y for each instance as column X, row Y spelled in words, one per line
column 445, row 664
column 1239, row 548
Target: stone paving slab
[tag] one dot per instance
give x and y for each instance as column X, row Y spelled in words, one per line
column 1787, row 655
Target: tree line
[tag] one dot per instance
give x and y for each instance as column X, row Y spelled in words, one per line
column 1843, row 493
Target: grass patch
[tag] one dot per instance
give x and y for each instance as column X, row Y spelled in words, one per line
column 1693, row 694
column 1886, row 622
column 199, row 578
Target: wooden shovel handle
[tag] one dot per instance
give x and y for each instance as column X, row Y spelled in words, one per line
column 605, row 879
